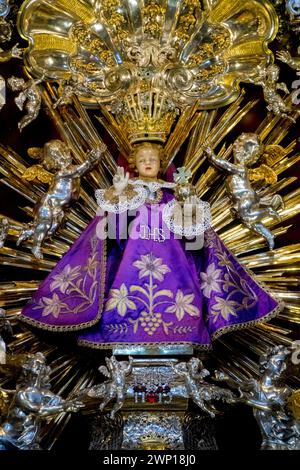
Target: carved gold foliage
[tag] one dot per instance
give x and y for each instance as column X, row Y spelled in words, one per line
column 120, row 51
column 153, row 15
column 114, row 18
column 81, row 35
column 209, row 72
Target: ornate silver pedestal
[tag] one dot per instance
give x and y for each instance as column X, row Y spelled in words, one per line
column 155, row 350
column 154, row 414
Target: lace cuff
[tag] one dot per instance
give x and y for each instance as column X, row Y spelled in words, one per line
column 182, row 221
column 130, row 199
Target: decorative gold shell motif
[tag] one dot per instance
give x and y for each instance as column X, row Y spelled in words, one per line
column 146, row 60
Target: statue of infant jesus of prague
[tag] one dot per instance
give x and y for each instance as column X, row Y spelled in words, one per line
column 137, row 277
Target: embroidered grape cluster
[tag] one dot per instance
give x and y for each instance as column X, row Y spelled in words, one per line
column 150, row 323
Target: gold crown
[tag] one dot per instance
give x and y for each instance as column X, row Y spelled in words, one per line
column 146, row 116
column 153, row 441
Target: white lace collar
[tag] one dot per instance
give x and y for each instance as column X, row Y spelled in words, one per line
column 152, row 185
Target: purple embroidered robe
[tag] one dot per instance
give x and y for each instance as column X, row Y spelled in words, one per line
column 148, row 288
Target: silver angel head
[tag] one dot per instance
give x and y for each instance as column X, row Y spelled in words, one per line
column 54, row 155
column 34, row 369
column 16, row 83
column 274, row 361
column 247, row 149
column 273, row 72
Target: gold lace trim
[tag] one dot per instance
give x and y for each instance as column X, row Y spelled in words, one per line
column 242, row 326
column 128, row 193
column 94, row 345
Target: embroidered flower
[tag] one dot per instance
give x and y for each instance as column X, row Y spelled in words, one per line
column 227, row 283
column 224, row 259
column 91, row 266
column 148, row 265
column 183, row 304
column 52, row 306
column 63, row 279
column 209, row 280
column 119, row 299
column 225, row 308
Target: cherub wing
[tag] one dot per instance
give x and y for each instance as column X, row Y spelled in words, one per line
column 104, row 371
column 37, row 173
column 273, row 154
column 263, row 173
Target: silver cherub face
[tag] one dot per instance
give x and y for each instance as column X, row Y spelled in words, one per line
column 247, row 149
column 57, row 155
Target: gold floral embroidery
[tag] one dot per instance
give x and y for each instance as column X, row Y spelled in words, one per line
column 63, row 279
column 224, row 260
column 210, row 280
column 150, row 266
column 227, row 281
column 71, row 283
column 150, row 323
column 150, row 296
column 86, row 324
column 183, row 304
column 111, row 197
column 119, row 299
column 225, row 308
column 53, row 306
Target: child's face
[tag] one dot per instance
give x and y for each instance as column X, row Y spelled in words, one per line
column 57, row 156
column 147, row 162
column 250, row 152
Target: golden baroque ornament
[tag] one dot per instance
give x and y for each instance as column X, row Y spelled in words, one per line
column 146, row 63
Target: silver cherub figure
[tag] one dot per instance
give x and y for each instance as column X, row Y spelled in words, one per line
column 29, row 96
column 29, row 404
column 67, row 90
column 114, row 388
column 250, row 207
column 270, row 396
column 14, row 53
column 267, row 78
column 201, row 392
column 294, row 63
column 64, row 188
